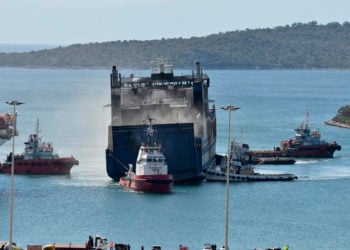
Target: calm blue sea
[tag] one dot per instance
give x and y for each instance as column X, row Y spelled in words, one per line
column 310, row 213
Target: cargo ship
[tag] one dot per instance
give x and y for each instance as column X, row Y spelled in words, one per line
column 38, row 158
column 185, row 124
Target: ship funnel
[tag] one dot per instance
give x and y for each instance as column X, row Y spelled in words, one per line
column 161, row 68
column 198, row 67
column 114, row 77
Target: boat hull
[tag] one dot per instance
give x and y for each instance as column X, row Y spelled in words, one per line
column 220, row 176
column 148, row 183
column 274, row 161
column 60, row 166
column 303, row 151
column 317, row 151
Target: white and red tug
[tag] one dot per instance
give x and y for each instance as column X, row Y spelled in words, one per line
column 151, row 169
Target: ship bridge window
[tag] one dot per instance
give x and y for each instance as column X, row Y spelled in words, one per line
column 155, row 159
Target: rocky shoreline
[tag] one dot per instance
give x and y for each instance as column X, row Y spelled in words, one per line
column 337, row 124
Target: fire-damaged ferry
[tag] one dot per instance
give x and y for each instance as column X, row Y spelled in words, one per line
column 185, row 124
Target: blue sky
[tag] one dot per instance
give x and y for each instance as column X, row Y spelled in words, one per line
column 66, row 22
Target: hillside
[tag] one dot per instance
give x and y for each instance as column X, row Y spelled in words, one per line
column 296, row 46
column 342, row 118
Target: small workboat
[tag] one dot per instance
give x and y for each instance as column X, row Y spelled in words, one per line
column 209, row 246
column 241, row 168
column 151, row 175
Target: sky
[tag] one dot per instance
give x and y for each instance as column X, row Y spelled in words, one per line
column 64, row 22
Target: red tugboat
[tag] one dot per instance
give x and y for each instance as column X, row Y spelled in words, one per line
column 38, row 158
column 306, row 144
column 151, row 169
column 309, row 144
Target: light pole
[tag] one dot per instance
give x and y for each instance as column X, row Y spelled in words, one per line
column 14, row 104
column 229, row 109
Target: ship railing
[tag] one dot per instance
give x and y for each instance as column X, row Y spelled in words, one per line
column 176, row 81
column 179, row 102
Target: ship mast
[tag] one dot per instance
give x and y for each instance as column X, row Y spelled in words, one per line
column 307, row 120
column 149, row 131
column 36, row 138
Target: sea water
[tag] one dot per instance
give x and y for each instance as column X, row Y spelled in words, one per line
column 310, row 213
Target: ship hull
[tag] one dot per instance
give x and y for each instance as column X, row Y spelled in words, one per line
column 303, row 151
column 220, row 176
column 317, row 151
column 61, row 166
column 148, row 183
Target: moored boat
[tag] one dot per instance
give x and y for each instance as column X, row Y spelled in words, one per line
column 151, row 174
column 306, row 144
column 38, row 158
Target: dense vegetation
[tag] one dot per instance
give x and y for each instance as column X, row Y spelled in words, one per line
column 296, row 46
column 343, row 115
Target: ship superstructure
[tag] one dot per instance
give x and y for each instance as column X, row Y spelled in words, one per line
column 179, row 105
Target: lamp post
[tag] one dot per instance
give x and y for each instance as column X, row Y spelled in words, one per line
column 14, row 104
column 229, row 109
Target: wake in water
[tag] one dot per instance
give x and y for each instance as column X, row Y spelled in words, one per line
column 304, row 161
column 322, row 178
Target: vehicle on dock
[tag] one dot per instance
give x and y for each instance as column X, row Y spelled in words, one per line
column 99, row 243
